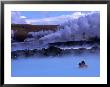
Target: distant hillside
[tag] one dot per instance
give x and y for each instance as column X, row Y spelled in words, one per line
column 23, row 29
column 33, row 28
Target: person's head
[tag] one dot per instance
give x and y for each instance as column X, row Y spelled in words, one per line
column 83, row 62
column 79, row 64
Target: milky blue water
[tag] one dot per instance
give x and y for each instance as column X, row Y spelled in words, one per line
column 60, row 66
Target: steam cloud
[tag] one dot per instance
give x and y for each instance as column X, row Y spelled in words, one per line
column 74, row 28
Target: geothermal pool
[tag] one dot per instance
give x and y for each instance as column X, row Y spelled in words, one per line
column 57, row 66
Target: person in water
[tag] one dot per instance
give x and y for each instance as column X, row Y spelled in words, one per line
column 82, row 64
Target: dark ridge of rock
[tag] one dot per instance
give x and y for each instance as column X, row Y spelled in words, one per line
column 33, row 28
column 20, row 36
column 51, row 51
column 72, row 43
column 94, row 48
column 14, row 55
column 28, row 53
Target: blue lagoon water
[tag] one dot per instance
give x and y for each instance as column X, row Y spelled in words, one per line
column 57, row 66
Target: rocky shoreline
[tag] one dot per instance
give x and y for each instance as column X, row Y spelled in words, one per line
column 52, row 51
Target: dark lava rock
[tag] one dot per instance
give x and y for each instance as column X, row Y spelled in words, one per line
column 52, row 50
column 28, row 53
column 94, row 49
column 14, row 55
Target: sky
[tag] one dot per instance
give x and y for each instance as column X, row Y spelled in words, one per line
column 43, row 17
column 44, row 14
